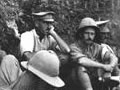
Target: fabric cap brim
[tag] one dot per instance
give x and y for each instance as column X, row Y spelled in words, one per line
column 49, row 20
column 43, row 13
column 54, row 81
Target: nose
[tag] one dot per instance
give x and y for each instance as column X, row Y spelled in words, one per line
column 48, row 25
column 106, row 35
column 90, row 35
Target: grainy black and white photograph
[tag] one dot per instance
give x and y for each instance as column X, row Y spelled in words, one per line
column 59, row 44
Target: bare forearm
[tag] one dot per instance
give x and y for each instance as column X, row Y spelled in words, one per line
column 63, row 46
column 89, row 63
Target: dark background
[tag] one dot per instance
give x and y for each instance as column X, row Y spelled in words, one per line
column 69, row 13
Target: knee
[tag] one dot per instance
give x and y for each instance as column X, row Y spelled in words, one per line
column 88, row 89
column 10, row 57
column 81, row 79
column 9, row 60
column 82, row 69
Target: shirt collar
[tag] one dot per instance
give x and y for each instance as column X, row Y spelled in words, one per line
column 35, row 33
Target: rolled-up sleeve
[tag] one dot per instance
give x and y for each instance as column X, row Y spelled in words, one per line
column 76, row 52
column 27, row 42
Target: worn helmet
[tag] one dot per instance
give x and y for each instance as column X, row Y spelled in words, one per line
column 85, row 23
column 105, row 30
column 88, row 22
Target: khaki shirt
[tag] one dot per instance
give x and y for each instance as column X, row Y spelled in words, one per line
column 94, row 52
column 30, row 42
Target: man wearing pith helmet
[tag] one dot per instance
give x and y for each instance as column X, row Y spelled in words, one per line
column 41, row 73
column 42, row 37
column 106, row 37
column 108, row 41
column 89, row 56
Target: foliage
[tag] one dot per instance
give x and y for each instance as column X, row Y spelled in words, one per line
column 68, row 12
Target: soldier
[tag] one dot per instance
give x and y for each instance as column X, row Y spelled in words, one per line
column 89, row 56
column 42, row 37
column 107, row 41
column 106, row 38
column 41, row 73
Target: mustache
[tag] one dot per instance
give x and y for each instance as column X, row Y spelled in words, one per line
column 106, row 38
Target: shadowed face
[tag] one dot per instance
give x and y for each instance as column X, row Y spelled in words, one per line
column 43, row 24
column 89, row 35
column 105, row 36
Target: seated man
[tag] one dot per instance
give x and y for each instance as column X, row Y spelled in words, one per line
column 9, row 65
column 42, row 37
column 89, row 57
column 41, row 73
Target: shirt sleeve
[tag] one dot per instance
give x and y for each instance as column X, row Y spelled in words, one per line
column 27, row 42
column 76, row 52
column 106, row 49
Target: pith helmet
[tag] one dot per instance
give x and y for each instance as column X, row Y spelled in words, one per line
column 105, row 29
column 45, row 64
column 88, row 22
column 85, row 23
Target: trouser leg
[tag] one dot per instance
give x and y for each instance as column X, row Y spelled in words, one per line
column 10, row 68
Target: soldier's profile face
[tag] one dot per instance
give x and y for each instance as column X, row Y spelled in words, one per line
column 43, row 26
column 89, row 35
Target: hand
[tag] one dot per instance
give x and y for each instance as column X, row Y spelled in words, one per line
column 108, row 68
column 51, row 29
